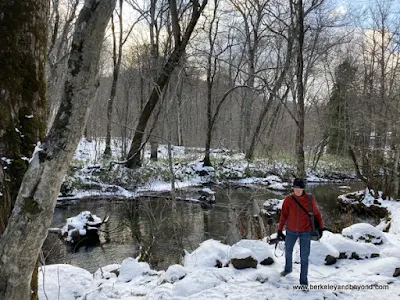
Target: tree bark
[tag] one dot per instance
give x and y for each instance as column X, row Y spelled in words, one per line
column 57, row 57
column 300, row 168
column 117, row 59
column 154, row 66
column 23, row 111
column 22, row 93
column 211, row 72
column 27, row 227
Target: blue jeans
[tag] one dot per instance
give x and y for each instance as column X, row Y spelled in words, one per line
column 305, row 241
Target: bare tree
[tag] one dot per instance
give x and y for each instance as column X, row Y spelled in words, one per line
column 252, row 13
column 282, row 33
column 181, row 41
column 32, row 214
column 61, row 28
column 301, row 10
column 117, row 59
column 375, row 149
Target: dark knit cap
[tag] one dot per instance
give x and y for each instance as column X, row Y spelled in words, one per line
column 298, row 183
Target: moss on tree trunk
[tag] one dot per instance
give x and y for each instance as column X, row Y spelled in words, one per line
column 22, row 92
column 22, row 97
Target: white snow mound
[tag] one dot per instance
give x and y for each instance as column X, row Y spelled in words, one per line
column 320, row 250
column 207, row 255
column 131, row 268
column 364, row 233
column 175, row 273
column 258, row 250
column 63, row 282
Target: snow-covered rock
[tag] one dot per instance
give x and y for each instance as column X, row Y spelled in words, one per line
column 265, row 275
column 272, row 206
column 240, row 253
column 131, row 268
column 200, row 281
column 107, row 272
column 364, row 233
column 242, row 258
column 208, row 254
column 258, row 249
column 175, row 273
column 320, row 251
column 80, row 224
column 348, row 248
column 383, row 266
column 275, row 183
column 63, row 282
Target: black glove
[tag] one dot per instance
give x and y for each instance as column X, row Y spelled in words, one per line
column 320, row 231
column 281, row 236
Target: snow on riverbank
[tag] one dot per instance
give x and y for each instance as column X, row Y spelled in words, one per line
column 198, row 278
column 92, row 176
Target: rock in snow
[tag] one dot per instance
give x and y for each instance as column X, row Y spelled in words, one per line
column 364, row 233
column 175, row 273
column 208, row 255
column 131, row 268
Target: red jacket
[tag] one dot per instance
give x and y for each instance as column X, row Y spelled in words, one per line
column 295, row 218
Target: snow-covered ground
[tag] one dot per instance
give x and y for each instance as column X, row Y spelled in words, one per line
column 199, row 278
column 370, row 277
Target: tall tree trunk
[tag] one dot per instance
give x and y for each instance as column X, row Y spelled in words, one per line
column 396, row 173
column 211, row 69
column 57, row 57
column 179, row 129
column 211, row 73
column 213, row 118
column 300, row 169
column 23, row 101
column 27, row 227
column 248, row 103
column 154, row 48
column 117, row 58
column 210, row 82
column 162, row 81
column 22, row 94
column 273, row 95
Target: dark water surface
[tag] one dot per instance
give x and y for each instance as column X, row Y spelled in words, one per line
column 164, row 228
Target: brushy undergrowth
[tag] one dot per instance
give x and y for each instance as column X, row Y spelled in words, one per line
column 226, row 166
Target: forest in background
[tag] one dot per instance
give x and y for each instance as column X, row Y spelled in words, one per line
column 261, row 77
column 237, row 85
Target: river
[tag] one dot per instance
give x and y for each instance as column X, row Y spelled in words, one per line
column 164, row 227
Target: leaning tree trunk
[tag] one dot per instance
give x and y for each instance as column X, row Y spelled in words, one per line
column 22, row 98
column 181, row 42
column 33, row 211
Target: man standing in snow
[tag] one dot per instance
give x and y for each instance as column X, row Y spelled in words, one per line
column 298, row 225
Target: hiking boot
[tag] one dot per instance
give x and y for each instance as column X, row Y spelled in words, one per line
column 284, row 273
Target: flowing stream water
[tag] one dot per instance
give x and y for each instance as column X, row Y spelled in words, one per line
column 164, row 228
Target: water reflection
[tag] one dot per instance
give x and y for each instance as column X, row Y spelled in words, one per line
column 159, row 229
